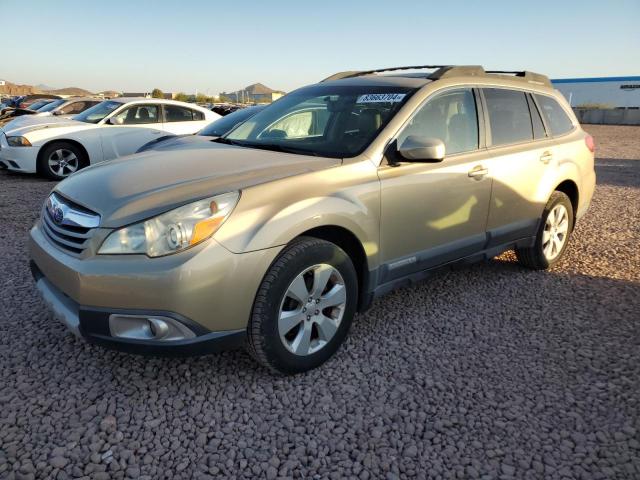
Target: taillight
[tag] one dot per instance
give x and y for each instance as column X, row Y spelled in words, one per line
column 590, row 142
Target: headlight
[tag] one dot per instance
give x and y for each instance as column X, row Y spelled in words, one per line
column 173, row 231
column 18, row 142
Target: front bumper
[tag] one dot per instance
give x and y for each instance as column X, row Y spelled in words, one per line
column 207, row 288
column 19, row 159
column 93, row 325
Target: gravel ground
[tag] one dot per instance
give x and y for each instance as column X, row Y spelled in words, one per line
column 492, row 371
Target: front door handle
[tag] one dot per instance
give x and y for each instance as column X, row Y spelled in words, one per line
column 546, row 157
column 478, row 172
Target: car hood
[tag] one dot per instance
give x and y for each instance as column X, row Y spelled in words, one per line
column 29, row 123
column 140, row 186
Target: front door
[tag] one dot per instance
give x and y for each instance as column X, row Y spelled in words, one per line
column 434, row 213
column 141, row 123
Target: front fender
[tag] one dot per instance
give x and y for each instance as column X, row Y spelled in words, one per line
column 275, row 213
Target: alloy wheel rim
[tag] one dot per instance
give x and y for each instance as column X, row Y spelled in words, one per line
column 312, row 309
column 555, row 233
column 63, row 162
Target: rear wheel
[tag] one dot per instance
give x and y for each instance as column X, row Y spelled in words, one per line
column 304, row 307
column 61, row 159
column 553, row 234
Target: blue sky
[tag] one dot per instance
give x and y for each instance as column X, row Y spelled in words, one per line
column 214, row 46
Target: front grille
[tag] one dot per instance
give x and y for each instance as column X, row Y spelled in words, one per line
column 72, row 238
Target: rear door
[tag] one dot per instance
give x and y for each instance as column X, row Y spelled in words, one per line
column 181, row 120
column 521, row 162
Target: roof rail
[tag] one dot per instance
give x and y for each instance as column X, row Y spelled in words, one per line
column 526, row 75
column 449, row 71
column 359, row 73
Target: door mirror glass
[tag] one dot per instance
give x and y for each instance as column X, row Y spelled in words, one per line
column 116, row 121
column 419, row 149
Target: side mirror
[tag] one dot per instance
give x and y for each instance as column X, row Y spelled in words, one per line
column 116, row 120
column 420, row 149
column 57, row 112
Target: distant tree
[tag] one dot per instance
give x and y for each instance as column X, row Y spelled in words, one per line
column 157, row 93
column 181, row 97
column 201, row 98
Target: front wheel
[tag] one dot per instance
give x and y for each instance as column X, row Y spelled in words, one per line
column 553, row 234
column 60, row 159
column 304, row 307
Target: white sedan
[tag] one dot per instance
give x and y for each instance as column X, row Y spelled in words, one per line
column 57, row 147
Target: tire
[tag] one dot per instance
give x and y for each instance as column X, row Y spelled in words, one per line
column 281, row 324
column 69, row 157
column 542, row 254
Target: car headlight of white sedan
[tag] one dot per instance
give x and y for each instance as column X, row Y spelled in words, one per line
column 173, row 231
column 18, row 142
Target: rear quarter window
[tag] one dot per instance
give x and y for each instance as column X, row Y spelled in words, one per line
column 557, row 119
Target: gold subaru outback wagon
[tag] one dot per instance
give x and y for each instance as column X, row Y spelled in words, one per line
column 274, row 235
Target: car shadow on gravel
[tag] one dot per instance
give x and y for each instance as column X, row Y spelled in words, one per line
column 27, row 177
column 617, row 172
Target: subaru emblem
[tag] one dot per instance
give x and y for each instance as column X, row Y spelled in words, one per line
column 58, row 215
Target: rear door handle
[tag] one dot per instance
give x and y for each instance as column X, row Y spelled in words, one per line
column 478, row 172
column 546, row 157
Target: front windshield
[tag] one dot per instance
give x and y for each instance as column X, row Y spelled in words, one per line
column 227, row 123
column 97, row 112
column 50, row 106
column 337, row 121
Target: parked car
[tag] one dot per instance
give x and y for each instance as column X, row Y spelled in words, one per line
column 57, row 147
column 45, row 108
column 28, row 100
column 218, row 128
column 31, row 108
column 277, row 233
column 67, row 107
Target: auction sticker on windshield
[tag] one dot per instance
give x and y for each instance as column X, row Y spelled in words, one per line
column 381, row 98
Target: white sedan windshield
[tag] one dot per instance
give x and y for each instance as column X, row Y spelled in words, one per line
column 97, row 112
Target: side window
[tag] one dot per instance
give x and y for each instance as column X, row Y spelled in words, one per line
column 557, row 119
column 197, row 116
column 452, row 117
column 538, row 126
column 174, row 113
column 73, row 108
column 139, row 114
column 509, row 116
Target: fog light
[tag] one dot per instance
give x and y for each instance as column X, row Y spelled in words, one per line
column 154, row 328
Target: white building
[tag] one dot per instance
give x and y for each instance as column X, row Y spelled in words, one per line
column 616, row 92
column 2, row 83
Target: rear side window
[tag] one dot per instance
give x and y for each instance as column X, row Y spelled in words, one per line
column 73, row 108
column 173, row 113
column 557, row 119
column 509, row 116
column 197, row 116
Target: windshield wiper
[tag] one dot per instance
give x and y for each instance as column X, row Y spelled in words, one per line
column 226, row 141
column 274, row 147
